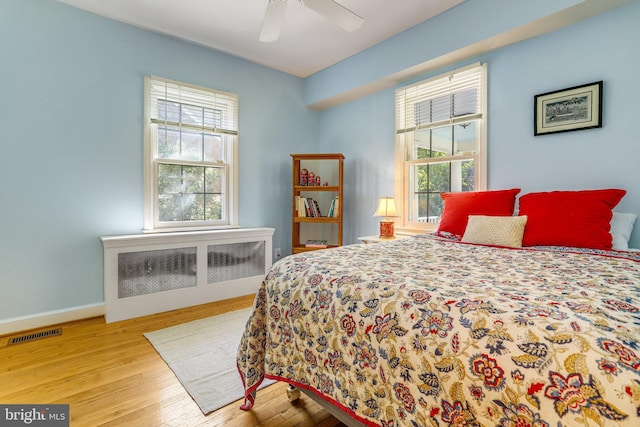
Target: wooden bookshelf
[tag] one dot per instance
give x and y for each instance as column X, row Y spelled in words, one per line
column 330, row 168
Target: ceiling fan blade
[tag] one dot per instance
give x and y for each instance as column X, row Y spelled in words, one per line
column 273, row 19
column 338, row 14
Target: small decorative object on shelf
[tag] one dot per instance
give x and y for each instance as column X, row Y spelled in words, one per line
column 386, row 209
column 304, row 177
column 312, row 179
column 318, row 181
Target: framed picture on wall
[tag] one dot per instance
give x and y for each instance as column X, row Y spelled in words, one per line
column 565, row 110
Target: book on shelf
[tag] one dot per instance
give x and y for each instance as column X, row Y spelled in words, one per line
column 302, row 207
column 333, row 208
column 315, row 207
column 316, row 244
column 307, row 207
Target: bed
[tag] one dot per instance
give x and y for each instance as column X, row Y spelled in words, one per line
column 435, row 330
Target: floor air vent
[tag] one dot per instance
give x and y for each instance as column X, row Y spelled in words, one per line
column 35, row 336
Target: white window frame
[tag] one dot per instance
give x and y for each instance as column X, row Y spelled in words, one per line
column 210, row 98
column 406, row 98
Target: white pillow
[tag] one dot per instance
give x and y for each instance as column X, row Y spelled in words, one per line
column 621, row 228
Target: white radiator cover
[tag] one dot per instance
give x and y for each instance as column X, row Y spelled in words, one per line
column 152, row 273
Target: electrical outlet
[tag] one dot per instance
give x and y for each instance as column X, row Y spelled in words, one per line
column 277, row 253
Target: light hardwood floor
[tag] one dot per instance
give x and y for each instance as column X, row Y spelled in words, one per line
column 110, row 375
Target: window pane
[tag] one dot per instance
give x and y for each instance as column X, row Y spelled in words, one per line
column 432, row 110
column 168, row 110
column 213, row 180
column 468, row 175
column 442, row 141
column 168, row 143
column 169, row 179
column 193, row 179
column 213, row 207
column 435, row 204
column 465, row 102
column 422, row 112
column 170, row 207
column 441, row 108
column 421, row 176
column 191, row 145
column 422, row 145
column 193, row 207
column 213, row 151
column 190, row 193
column 426, row 207
column 436, row 142
column 429, row 207
column 439, row 177
column 191, row 115
column 465, row 140
column 212, row 118
column 430, row 180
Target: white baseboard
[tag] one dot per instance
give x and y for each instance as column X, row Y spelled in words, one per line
column 40, row 320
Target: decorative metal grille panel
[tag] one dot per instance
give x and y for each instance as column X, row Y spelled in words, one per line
column 235, row 261
column 150, row 272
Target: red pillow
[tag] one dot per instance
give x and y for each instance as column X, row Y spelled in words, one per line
column 569, row 218
column 458, row 207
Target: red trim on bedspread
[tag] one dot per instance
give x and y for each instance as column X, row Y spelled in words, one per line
column 250, row 394
column 325, row 398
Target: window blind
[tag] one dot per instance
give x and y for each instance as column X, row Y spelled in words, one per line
column 189, row 106
column 442, row 101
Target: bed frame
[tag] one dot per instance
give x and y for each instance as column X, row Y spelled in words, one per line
column 293, row 393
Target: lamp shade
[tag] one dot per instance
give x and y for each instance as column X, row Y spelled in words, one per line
column 386, row 207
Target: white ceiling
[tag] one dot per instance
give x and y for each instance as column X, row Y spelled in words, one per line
column 308, row 42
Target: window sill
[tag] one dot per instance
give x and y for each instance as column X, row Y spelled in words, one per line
column 184, row 236
column 417, row 230
column 188, row 229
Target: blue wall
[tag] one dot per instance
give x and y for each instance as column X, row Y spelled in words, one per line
column 71, row 113
column 600, row 48
column 72, row 144
column 471, row 22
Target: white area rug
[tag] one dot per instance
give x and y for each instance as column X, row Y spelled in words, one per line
column 202, row 354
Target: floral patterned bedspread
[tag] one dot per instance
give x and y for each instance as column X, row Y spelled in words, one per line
column 429, row 332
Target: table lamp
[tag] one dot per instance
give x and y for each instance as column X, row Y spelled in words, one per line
column 386, row 209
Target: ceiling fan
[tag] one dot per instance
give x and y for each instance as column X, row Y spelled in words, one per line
column 335, row 12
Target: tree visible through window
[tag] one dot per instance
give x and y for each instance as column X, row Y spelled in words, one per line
column 191, row 139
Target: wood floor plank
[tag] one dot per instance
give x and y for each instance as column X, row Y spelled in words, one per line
column 110, row 375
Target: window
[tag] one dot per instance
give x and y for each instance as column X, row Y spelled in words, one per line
column 190, row 156
column 440, row 142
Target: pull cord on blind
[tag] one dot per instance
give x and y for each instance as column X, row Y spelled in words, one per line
column 442, row 101
column 189, row 106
